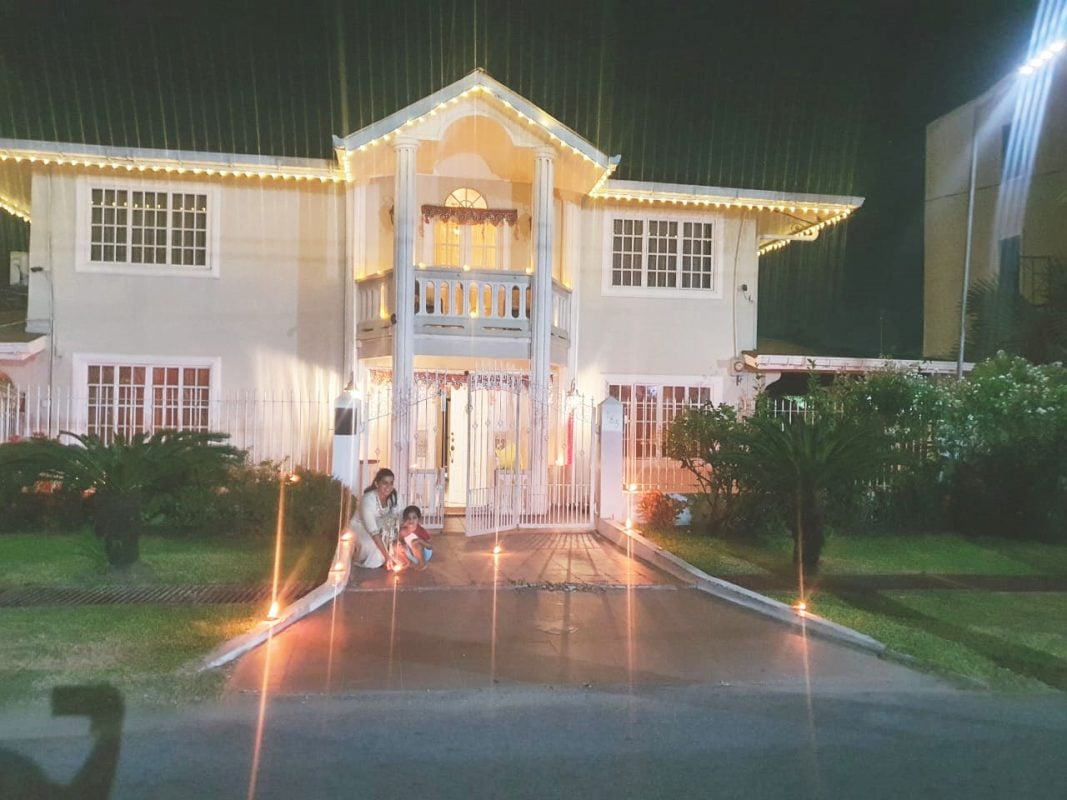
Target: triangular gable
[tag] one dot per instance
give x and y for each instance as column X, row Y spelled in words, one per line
column 477, row 82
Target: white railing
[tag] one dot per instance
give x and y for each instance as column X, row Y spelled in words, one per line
column 284, row 427
column 561, row 311
column 454, row 294
column 458, row 300
column 375, row 298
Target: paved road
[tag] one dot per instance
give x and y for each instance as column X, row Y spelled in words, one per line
column 534, row 675
column 516, row 742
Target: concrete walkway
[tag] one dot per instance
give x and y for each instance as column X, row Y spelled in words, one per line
column 552, row 609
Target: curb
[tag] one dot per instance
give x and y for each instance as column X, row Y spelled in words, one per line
column 652, row 553
column 262, row 631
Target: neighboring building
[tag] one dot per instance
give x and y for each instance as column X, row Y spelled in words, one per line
column 1017, row 134
column 467, row 251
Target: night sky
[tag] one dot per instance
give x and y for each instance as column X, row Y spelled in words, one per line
column 828, row 96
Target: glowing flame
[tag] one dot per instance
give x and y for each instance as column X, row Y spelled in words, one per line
column 497, row 550
column 801, row 606
column 346, row 536
column 273, row 613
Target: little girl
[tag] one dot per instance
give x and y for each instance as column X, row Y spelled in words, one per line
column 416, row 537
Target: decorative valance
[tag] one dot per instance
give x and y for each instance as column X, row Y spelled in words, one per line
column 461, row 215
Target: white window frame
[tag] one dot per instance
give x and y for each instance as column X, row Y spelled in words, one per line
column 676, row 293
column 83, row 228
column 504, row 233
column 80, row 363
column 715, row 385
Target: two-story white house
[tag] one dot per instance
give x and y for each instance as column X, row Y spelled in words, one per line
column 468, row 264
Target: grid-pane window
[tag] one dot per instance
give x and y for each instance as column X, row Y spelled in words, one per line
column 662, row 254
column 446, row 244
column 148, row 228
column 649, row 409
column 108, row 232
column 483, row 245
column 154, row 228
column 627, row 250
column 469, row 244
column 698, row 263
column 188, row 230
column 127, row 399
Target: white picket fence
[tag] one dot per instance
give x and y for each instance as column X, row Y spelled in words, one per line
column 287, row 428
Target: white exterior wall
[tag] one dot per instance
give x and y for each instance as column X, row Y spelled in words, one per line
column 272, row 317
column 659, row 332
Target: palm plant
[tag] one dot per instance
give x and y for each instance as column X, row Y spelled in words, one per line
column 1004, row 320
column 120, row 476
column 802, row 461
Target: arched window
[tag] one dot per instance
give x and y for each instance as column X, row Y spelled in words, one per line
column 472, row 245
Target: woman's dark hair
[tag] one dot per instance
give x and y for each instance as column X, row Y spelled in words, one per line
column 412, row 510
column 380, row 475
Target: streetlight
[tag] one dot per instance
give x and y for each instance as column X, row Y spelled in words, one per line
column 1037, row 62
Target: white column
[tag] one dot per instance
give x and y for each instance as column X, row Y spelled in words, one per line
column 403, row 330
column 541, row 323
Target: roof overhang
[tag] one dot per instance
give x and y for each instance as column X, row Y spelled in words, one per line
column 21, row 352
column 21, row 154
column 478, row 84
column 475, row 82
column 784, row 217
column 769, row 362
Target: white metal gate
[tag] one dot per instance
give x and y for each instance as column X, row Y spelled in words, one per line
column 511, row 481
column 489, row 451
column 426, row 478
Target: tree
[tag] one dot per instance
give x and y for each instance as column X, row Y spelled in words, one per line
column 704, row 440
column 121, row 476
column 803, row 460
column 1001, row 319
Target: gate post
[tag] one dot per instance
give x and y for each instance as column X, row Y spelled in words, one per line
column 612, row 498
column 344, row 459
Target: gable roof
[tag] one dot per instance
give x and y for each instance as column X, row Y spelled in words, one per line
column 481, row 83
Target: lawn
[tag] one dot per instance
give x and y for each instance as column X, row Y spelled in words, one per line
column 869, row 554
column 140, row 649
column 1004, row 640
column 53, row 559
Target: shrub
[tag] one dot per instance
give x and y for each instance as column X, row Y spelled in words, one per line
column 1004, row 441
column 659, row 510
column 246, row 503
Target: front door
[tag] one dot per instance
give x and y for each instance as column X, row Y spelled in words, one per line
column 457, row 445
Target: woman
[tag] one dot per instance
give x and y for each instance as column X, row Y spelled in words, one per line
column 378, row 503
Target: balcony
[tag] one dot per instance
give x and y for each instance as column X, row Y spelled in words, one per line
column 484, row 313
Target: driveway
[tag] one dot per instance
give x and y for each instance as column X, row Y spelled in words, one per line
column 557, row 609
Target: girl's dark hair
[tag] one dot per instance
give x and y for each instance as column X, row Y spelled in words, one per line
column 384, row 472
column 412, row 510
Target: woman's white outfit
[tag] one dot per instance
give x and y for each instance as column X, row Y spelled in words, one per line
column 366, row 522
